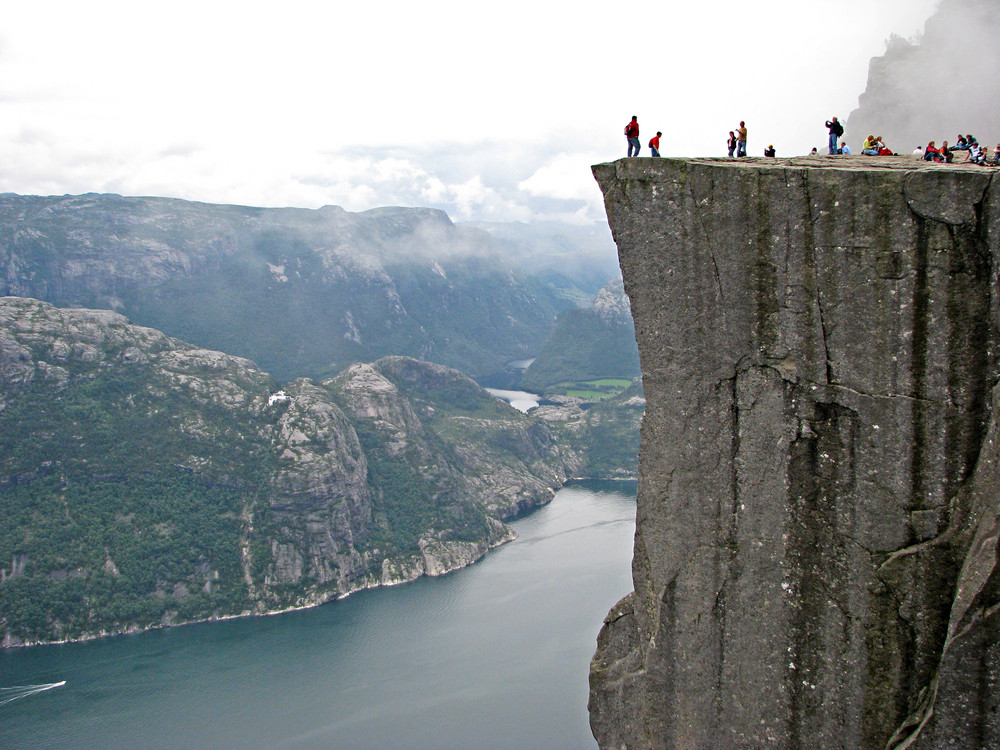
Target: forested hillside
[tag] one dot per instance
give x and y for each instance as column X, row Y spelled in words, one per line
column 147, row 481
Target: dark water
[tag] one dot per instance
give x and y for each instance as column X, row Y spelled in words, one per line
column 493, row 656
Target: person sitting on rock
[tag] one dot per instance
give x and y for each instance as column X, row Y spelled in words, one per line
column 845, row 149
column 960, row 144
column 995, row 161
column 947, row 152
column 932, row 153
column 883, row 150
column 870, row 146
column 769, row 151
column 977, row 154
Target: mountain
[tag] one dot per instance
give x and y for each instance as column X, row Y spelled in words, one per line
column 933, row 89
column 588, row 344
column 300, row 292
column 147, row 481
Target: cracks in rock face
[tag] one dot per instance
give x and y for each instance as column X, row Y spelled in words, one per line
column 618, row 617
column 970, row 278
column 707, row 242
column 834, row 387
column 810, row 246
column 734, row 415
column 825, row 335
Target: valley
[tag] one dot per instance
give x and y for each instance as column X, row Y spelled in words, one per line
column 151, row 480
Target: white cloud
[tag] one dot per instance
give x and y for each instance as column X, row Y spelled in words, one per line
column 310, row 103
column 566, row 176
column 472, row 199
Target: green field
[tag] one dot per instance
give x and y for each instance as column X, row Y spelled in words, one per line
column 591, row 390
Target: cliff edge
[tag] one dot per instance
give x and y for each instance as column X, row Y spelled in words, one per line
column 819, row 501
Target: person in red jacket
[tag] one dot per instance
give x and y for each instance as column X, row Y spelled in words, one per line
column 654, row 144
column 632, row 134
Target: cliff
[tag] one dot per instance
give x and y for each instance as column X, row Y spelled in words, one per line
column 147, row 482
column 819, row 501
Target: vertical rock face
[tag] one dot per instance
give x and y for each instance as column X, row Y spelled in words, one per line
column 816, row 543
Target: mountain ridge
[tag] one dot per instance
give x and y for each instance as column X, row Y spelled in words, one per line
column 323, row 287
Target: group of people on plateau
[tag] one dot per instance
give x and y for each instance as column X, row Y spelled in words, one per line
column 975, row 154
column 736, row 145
column 632, row 136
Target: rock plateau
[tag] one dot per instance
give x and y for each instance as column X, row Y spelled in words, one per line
column 819, row 501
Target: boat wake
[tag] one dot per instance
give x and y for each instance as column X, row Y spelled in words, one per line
column 8, row 694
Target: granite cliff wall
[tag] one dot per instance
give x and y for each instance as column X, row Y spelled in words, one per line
column 819, row 501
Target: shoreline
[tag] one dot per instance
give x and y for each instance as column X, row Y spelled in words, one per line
column 325, row 600
column 268, row 613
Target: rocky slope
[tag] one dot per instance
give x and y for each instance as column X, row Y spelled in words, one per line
column 816, row 547
column 605, row 434
column 322, row 288
column 936, row 87
column 147, row 481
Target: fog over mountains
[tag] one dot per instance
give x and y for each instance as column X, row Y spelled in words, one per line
column 298, row 291
column 941, row 85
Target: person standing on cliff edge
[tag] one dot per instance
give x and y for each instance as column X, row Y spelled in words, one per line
column 632, row 135
column 654, row 144
column 741, row 139
column 836, row 130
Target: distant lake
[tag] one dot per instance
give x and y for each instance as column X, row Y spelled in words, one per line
column 520, row 400
column 492, row 657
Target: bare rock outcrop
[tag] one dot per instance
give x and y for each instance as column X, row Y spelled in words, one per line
column 816, row 547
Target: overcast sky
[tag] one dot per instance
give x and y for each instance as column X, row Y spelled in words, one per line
column 492, row 111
